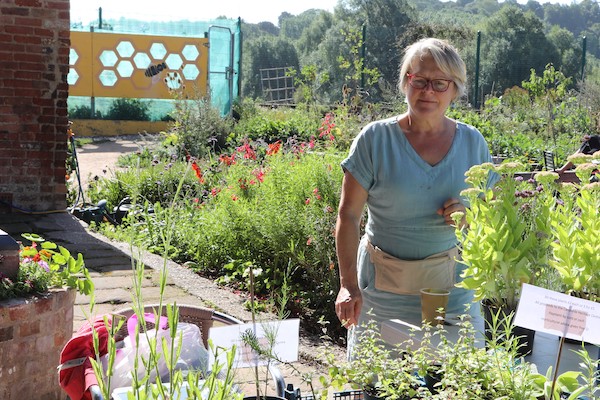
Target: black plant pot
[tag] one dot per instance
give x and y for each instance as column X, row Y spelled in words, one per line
column 370, row 393
column 433, row 376
column 525, row 337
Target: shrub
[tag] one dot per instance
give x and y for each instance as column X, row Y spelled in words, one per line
column 199, row 127
column 84, row 112
column 128, row 109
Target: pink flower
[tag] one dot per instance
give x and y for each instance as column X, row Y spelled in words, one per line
column 44, row 265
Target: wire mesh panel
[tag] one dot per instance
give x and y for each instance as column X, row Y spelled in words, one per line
column 277, row 85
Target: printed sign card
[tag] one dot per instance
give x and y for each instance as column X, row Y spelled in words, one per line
column 285, row 345
column 558, row 314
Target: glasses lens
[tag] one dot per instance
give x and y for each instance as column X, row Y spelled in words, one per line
column 418, row 83
column 440, row 85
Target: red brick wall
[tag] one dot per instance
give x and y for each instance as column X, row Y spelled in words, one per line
column 34, row 54
column 32, row 334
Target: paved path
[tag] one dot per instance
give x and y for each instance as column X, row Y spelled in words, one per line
column 110, row 264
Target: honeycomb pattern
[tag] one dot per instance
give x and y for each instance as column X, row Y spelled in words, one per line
column 126, row 59
column 73, row 76
column 124, row 65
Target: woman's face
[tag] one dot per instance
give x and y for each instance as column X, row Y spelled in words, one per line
column 426, row 102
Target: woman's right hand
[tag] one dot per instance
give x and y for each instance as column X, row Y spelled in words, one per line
column 347, row 306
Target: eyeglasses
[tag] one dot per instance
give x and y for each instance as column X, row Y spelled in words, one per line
column 437, row 85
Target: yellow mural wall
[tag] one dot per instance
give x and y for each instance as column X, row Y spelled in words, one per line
column 137, row 66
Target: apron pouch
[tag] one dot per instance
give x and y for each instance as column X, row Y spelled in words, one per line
column 409, row 277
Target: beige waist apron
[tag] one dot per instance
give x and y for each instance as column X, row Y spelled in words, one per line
column 408, row 277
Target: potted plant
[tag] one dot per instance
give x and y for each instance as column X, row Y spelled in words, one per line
column 43, row 265
column 378, row 369
column 507, row 239
column 263, row 348
column 575, row 225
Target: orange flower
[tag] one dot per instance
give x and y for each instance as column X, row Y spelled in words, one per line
column 274, row 148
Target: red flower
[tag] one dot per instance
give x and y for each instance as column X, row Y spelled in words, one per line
column 249, row 153
column 326, row 126
column 259, row 174
column 198, row 172
column 214, row 192
column 234, row 197
column 307, row 201
column 227, row 160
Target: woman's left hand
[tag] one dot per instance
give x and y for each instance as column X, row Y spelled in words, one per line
column 451, row 206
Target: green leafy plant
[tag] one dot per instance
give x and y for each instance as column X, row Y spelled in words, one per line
column 463, row 367
column 507, row 241
column 44, row 265
column 576, row 227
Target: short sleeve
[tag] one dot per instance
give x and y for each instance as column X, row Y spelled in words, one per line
column 360, row 158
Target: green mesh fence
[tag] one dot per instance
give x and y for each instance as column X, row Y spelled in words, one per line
column 224, row 57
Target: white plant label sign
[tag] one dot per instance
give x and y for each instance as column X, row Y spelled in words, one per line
column 558, row 314
column 285, row 346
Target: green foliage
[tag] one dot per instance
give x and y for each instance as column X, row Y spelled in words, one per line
column 507, row 242
column 272, row 124
column 199, row 128
column 464, row 368
column 510, row 35
column 128, row 109
column 157, row 183
column 307, row 83
column 83, row 112
column 267, row 52
column 576, row 226
column 282, row 202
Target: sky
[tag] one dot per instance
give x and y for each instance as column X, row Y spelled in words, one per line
column 251, row 11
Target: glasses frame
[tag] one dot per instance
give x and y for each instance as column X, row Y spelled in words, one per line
column 429, row 82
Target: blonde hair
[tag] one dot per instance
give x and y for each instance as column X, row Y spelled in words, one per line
column 444, row 55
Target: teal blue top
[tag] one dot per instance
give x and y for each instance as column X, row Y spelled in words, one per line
column 405, row 191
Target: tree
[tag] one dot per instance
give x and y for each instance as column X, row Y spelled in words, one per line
column 513, row 43
column 568, row 49
column 385, row 21
column 314, row 33
column 292, row 27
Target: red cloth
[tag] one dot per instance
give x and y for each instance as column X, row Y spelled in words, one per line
column 77, row 380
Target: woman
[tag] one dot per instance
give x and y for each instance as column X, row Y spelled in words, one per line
column 409, row 171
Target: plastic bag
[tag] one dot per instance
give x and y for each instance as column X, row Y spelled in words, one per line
column 193, row 354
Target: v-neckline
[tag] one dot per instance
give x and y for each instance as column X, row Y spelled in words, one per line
column 419, row 160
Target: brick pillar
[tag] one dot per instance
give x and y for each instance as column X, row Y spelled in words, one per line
column 34, row 49
column 33, row 332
